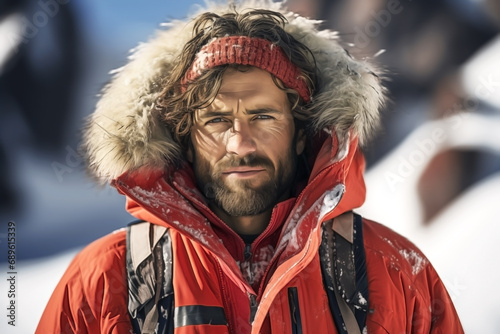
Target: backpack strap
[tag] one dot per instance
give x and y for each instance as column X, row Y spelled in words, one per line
column 343, row 264
column 149, row 264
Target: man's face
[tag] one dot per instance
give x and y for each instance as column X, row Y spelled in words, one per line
column 244, row 145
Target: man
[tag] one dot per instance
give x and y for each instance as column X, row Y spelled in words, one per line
column 235, row 138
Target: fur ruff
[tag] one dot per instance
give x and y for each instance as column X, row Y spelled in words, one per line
column 125, row 132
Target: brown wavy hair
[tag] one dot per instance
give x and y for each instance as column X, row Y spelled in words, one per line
column 177, row 105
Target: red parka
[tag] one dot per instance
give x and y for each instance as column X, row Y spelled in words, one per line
column 128, row 146
column 405, row 293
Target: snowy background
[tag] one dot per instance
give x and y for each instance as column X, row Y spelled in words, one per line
column 433, row 173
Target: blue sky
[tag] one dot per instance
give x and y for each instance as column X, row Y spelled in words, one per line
column 128, row 22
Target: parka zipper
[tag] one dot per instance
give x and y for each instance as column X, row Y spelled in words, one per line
column 247, row 253
column 293, row 300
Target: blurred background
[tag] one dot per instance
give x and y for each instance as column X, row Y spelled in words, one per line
column 433, row 171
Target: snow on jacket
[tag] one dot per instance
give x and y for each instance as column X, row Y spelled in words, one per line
column 128, row 146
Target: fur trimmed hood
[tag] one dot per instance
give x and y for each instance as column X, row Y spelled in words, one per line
column 126, row 132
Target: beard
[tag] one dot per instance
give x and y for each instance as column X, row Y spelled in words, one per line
column 243, row 197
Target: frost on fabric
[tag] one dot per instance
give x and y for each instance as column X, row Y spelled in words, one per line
column 389, row 242
column 167, row 203
column 362, row 299
column 293, row 236
column 416, row 261
column 331, row 199
column 148, row 197
column 198, row 234
column 326, row 259
column 254, row 269
column 290, row 234
column 158, row 198
column 414, row 258
column 360, row 302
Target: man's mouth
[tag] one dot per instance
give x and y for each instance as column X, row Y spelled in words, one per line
column 243, row 171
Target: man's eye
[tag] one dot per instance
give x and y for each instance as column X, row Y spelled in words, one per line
column 264, row 117
column 216, row 120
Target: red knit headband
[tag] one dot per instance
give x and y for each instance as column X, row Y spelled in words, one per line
column 244, row 50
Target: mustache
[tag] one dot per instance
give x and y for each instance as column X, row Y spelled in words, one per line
column 246, row 161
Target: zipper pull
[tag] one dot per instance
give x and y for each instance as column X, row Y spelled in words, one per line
column 247, row 252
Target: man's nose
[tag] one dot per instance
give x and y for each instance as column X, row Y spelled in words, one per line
column 240, row 140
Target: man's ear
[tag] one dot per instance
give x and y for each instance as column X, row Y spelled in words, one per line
column 300, row 142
